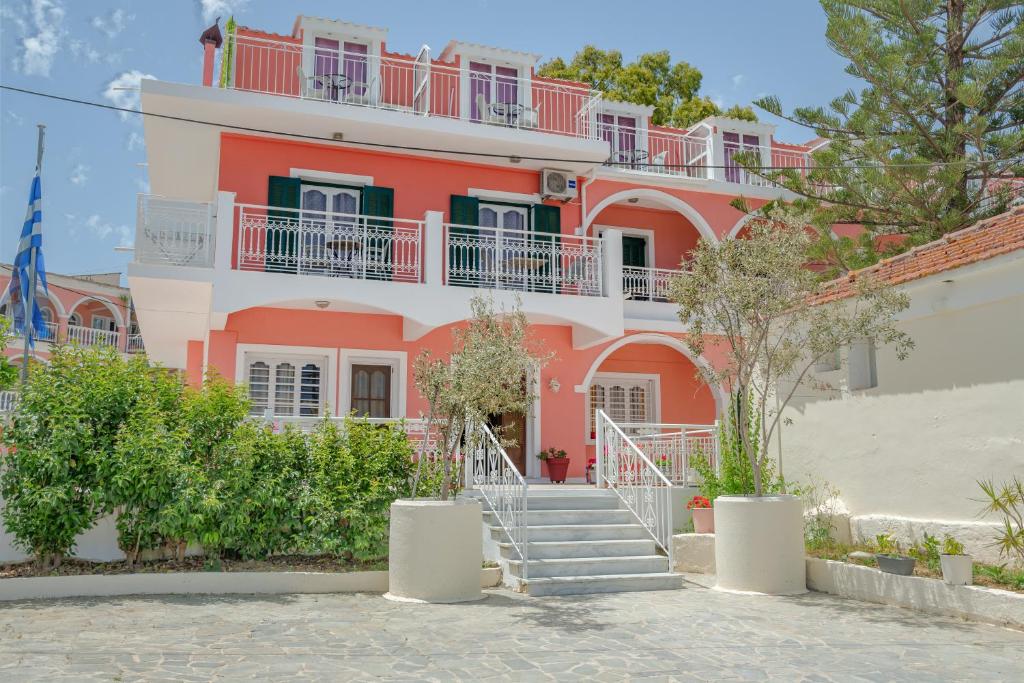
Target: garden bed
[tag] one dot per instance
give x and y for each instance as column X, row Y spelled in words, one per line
column 282, row 563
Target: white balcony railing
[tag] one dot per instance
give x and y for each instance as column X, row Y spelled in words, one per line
column 8, row 399
column 329, row 244
column 415, row 85
column 46, row 333
column 174, row 232
column 499, row 258
column 673, row 448
column 87, row 336
column 647, row 284
column 134, row 344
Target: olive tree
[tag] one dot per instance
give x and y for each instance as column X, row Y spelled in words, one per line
column 756, row 299
column 493, row 368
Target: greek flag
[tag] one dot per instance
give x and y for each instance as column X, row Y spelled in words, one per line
column 31, row 245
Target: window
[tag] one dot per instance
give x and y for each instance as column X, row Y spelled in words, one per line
column 287, row 386
column 828, row 363
column 371, row 390
column 102, row 322
column 75, row 319
column 624, row 398
column 861, row 365
column 340, row 70
column 508, row 216
column 621, row 133
column 733, row 144
column 490, row 86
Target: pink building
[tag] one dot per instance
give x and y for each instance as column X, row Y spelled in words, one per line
column 89, row 310
column 343, row 202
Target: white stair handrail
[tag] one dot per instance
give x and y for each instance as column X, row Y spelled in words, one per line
column 503, row 487
column 638, row 482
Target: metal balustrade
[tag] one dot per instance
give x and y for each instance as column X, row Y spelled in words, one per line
column 673, row 448
column 641, row 485
column 135, row 344
column 88, row 336
column 647, row 284
column 415, row 85
column 503, row 487
column 329, row 244
column 416, row 429
column 8, row 401
column 506, row 259
column 174, row 232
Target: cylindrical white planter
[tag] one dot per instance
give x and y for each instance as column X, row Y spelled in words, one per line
column 435, row 550
column 759, row 544
column 957, row 570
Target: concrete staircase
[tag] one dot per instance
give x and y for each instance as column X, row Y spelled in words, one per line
column 580, row 541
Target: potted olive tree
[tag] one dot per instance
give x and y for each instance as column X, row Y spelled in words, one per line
column 436, row 546
column 755, row 301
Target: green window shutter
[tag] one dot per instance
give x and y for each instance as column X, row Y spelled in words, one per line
column 379, row 201
column 282, row 226
column 634, row 251
column 547, row 226
column 463, row 258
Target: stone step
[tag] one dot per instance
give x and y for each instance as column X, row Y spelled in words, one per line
column 590, row 566
column 606, row 583
column 578, row 532
column 587, row 501
column 562, row 517
column 553, row 550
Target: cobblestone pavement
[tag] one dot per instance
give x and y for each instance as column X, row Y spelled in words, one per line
column 690, row 634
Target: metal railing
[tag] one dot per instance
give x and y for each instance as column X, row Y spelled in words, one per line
column 660, row 152
column 174, row 231
column 330, row 244
column 135, row 344
column 415, row 85
column 8, row 400
column 88, row 336
column 416, row 429
column 501, row 258
column 503, row 487
column 673, row 448
column 772, row 157
column 647, row 284
column 623, row 467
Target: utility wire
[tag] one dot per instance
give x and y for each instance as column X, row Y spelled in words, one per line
column 434, row 150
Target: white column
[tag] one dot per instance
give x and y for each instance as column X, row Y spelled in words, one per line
column 224, row 227
column 611, row 266
column 433, row 248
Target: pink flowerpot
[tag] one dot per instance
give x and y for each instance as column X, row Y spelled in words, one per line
column 703, row 520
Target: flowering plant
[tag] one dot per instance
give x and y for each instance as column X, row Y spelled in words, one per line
column 698, row 502
column 552, row 454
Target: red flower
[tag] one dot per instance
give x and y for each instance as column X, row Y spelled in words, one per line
column 698, row 502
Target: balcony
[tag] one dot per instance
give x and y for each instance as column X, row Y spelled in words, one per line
column 135, row 344
column 174, row 232
column 418, row 86
column 88, row 336
column 647, row 284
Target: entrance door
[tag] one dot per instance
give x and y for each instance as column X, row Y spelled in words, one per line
column 635, row 283
column 511, row 427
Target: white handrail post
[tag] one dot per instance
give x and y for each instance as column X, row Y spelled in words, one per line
column 612, row 263
column 225, row 226
column 433, row 248
column 599, row 449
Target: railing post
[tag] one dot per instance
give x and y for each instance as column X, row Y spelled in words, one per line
column 433, row 249
column 599, row 449
column 611, row 267
column 223, row 227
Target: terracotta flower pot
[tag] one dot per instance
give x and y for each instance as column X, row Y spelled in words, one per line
column 557, row 467
column 703, row 520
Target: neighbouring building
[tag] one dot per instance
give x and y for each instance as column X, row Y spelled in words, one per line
column 907, row 441
column 341, row 202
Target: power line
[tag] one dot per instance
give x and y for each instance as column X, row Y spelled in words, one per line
column 434, row 150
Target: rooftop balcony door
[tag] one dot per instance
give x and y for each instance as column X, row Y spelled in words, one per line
column 623, row 136
column 341, row 71
column 494, row 93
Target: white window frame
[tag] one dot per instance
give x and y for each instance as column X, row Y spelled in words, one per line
column 611, row 377
column 524, row 82
column 75, row 318
column 524, row 211
column 328, row 355
column 273, row 361
column 398, row 361
column 373, row 37
column 108, row 322
column 646, row 233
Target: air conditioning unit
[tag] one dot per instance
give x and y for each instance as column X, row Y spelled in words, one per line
column 555, row 184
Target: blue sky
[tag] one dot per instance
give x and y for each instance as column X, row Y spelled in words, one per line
column 93, row 167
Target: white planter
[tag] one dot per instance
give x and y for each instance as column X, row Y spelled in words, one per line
column 759, row 545
column 435, row 550
column 957, row 570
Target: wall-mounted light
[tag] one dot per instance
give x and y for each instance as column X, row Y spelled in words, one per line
column 554, row 385
column 515, row 160
column 633, row 200
column 321, row 304
column 337, row 137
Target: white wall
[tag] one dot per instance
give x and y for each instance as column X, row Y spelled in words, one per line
column 912, row 448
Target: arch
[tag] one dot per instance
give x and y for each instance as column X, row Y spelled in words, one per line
column 111, row 306
column 654, row 338
column 740, row 224
column 50, row 296
column 671, row 201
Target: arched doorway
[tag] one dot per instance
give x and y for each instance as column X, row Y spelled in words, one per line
column 93, row 320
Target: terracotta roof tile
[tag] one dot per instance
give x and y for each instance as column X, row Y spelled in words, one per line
column 984, row 240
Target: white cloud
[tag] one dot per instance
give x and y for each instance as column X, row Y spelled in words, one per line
column 113, row 24
column 212, row 9
column 718, row 100
column 135, row 141
column 41, row 24
column 83, row 50
column 102, row 230
column 737, row 80
column 124, row 90
column 15, row 119
column 79, row 174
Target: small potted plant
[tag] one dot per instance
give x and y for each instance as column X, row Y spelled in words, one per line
column 558, row 464
column 890, row 558
column 703, row 515
column 957, row 567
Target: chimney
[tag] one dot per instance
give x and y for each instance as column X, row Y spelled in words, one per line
column 210, row 40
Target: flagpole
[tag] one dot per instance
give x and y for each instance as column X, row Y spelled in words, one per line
column 30, row 296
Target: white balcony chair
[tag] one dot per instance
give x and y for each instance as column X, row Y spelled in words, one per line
column 486, row 115
column 530, row 118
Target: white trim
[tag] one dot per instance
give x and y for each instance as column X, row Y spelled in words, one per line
column 636, row 377
column 103, row 300
column 341, row 28
column 646, row 233
column 107, row 320
column 619, row 108
column 315, row 176
column 671, row 201
column 328, row 353
column 500, row 196
column 397, row 360
column 486, row 53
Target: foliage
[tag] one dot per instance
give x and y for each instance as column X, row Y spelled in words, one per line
column 492, row 369
column 928, row 552
column 1007, row 500
column 753, row 298
column 698, row 503
column 821, row 500
column 886, row 544
column 927, row 145
column 552, row 454
column 734, row 474
column 653, row 80
column 1014, row 578
column 8, row 372
column 227, row 54
column 951, row 546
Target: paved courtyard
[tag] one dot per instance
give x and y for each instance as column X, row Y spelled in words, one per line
column 691, row 634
